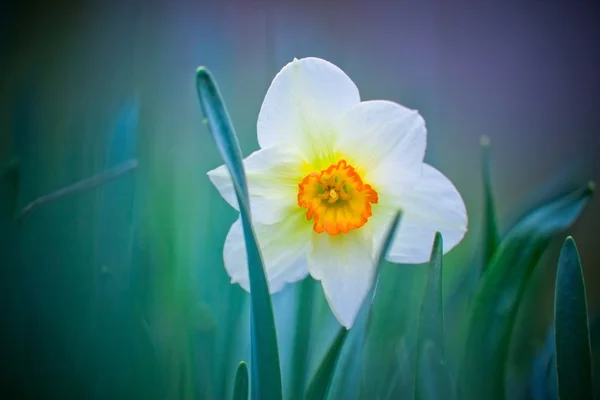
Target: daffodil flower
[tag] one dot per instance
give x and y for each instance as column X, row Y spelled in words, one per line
column 329, row 176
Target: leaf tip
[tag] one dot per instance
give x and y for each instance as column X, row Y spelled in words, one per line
column 484, row 141
column 569, row 244
column 203, row 75
column 438, row 238
column 202, row 71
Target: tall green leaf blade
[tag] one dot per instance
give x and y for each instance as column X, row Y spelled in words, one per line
column 572, row 334
column 305, row 297
column 264, row 366
column 490, row 229
column 346, row 379
column 240, row 389
column 496, row 302
column 542, row 382
column 433, row 380
column 319, row 384
column 432, row 377
column 115, row 305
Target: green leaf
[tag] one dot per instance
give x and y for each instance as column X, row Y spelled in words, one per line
column 81, row 186
column 490, row 229
column 202, row 318
column 346, row 379
column 399, row 377
column 572, row 335
column 432, row 377
column 433, row 380
column 306, row 290
column 240, row 390
column 264, row 366
column 542, row 382
column 496, row 303
column 317, row 390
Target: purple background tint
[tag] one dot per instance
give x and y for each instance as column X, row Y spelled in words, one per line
column 526, row 73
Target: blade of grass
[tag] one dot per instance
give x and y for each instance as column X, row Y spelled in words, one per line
column 496, row 303
column 571, row 326
column 240, row 390
column 432, row 380
column 490, row 228
column 346, row 379
column 306, row 290
column 317, row 390
column 264, row 365
column 81, row 186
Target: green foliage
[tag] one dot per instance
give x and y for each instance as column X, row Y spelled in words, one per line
column 501, row 289
column 432, row 377
column 240, row 391
column 165, row 323
column 490, row 229
column 572, row 334
column 264, row 365
column 346, row 381
column 320, row 383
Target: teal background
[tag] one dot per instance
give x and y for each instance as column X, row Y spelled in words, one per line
column 523, row 73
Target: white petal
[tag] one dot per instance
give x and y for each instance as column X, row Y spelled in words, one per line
column 283, row 246
column 432, row 205
column 273, row 175
column 344, row 265
column 385, row 142
column 302, row 105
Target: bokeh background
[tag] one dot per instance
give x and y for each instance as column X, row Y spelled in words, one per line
column 524, row 73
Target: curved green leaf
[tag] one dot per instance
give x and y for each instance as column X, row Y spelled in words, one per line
column 432, row 377
column 346, row 379
column 264, row 365
column 81, row 186
column 572, row 335
column 496, row 302
column 542, row 382
column 490, row 229
column 300, row 355
column 317, row 390
column 240, row 390
column 433, row 380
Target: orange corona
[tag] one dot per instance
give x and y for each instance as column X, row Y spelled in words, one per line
column 336, row 198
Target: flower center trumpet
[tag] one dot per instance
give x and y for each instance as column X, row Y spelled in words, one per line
column 337, row 199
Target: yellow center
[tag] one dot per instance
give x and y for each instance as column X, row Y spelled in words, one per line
column 336, row 198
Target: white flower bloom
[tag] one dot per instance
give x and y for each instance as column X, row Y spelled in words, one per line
column 329, row 176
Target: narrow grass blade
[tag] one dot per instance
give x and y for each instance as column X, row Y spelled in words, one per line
column 240, row 390
column 346, row 380
column 264, row 366
column 115, row 223
column 490, row 228
column 81, row 186
column 432, row 377
column 542, row 382
column 496, row 303
column 433, row 380
column 306, row 291
column 317, row 390
column 572, row 334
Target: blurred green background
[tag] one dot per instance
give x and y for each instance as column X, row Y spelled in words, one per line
column 81, row 79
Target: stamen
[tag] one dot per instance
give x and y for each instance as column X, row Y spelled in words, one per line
column 349, row 200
